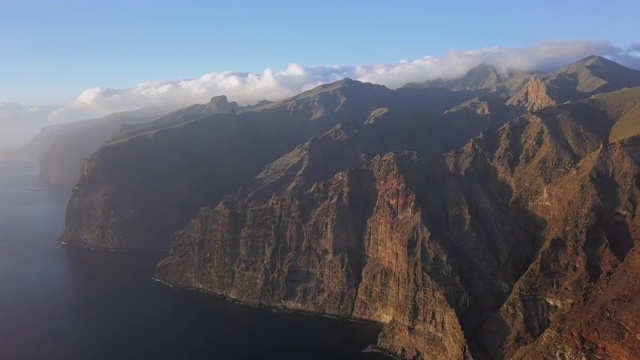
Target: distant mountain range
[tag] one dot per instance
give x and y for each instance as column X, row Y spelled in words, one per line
column 493, row 216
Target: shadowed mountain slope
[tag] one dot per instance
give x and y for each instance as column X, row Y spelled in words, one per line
column 140, row 188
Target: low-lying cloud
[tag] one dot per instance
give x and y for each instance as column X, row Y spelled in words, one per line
column 248, row 88
column 19, row 122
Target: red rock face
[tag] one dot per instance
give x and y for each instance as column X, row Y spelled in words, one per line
column 535, row 96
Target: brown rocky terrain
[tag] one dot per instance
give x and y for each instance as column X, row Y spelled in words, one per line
column 494, row 251
column 468, row 231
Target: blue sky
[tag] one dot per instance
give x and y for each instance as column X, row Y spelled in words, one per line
column 53, row 50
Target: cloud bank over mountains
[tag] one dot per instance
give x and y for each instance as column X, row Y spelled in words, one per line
column 249, row 88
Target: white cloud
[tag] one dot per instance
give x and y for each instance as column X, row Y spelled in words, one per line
column 249, row 88
column 243, row 87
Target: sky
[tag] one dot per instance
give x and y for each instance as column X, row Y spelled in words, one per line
column 94, row 56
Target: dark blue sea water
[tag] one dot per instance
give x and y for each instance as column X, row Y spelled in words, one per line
column 61, row 302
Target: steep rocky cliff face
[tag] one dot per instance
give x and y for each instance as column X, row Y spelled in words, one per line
column 368, row 243
column 523, row 244
column 519, row 243
column 148, row 181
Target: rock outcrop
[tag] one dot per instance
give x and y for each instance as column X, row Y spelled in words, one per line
column 220, row 105
column 535, row 96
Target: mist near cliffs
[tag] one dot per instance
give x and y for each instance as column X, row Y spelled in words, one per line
column 21, row 122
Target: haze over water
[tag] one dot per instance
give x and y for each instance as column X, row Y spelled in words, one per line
column 61, row 302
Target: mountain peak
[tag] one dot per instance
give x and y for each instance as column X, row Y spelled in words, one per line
column 346, row 81
column 482, row 69
column 480, row 77
column 343, row 83
column 595, row 60
column 483, row 76
column 597, row 73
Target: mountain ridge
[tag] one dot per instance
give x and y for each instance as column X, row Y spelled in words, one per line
column 267, row 132
column 576, row 81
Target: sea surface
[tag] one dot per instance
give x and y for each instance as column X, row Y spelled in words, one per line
column 64, row 302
